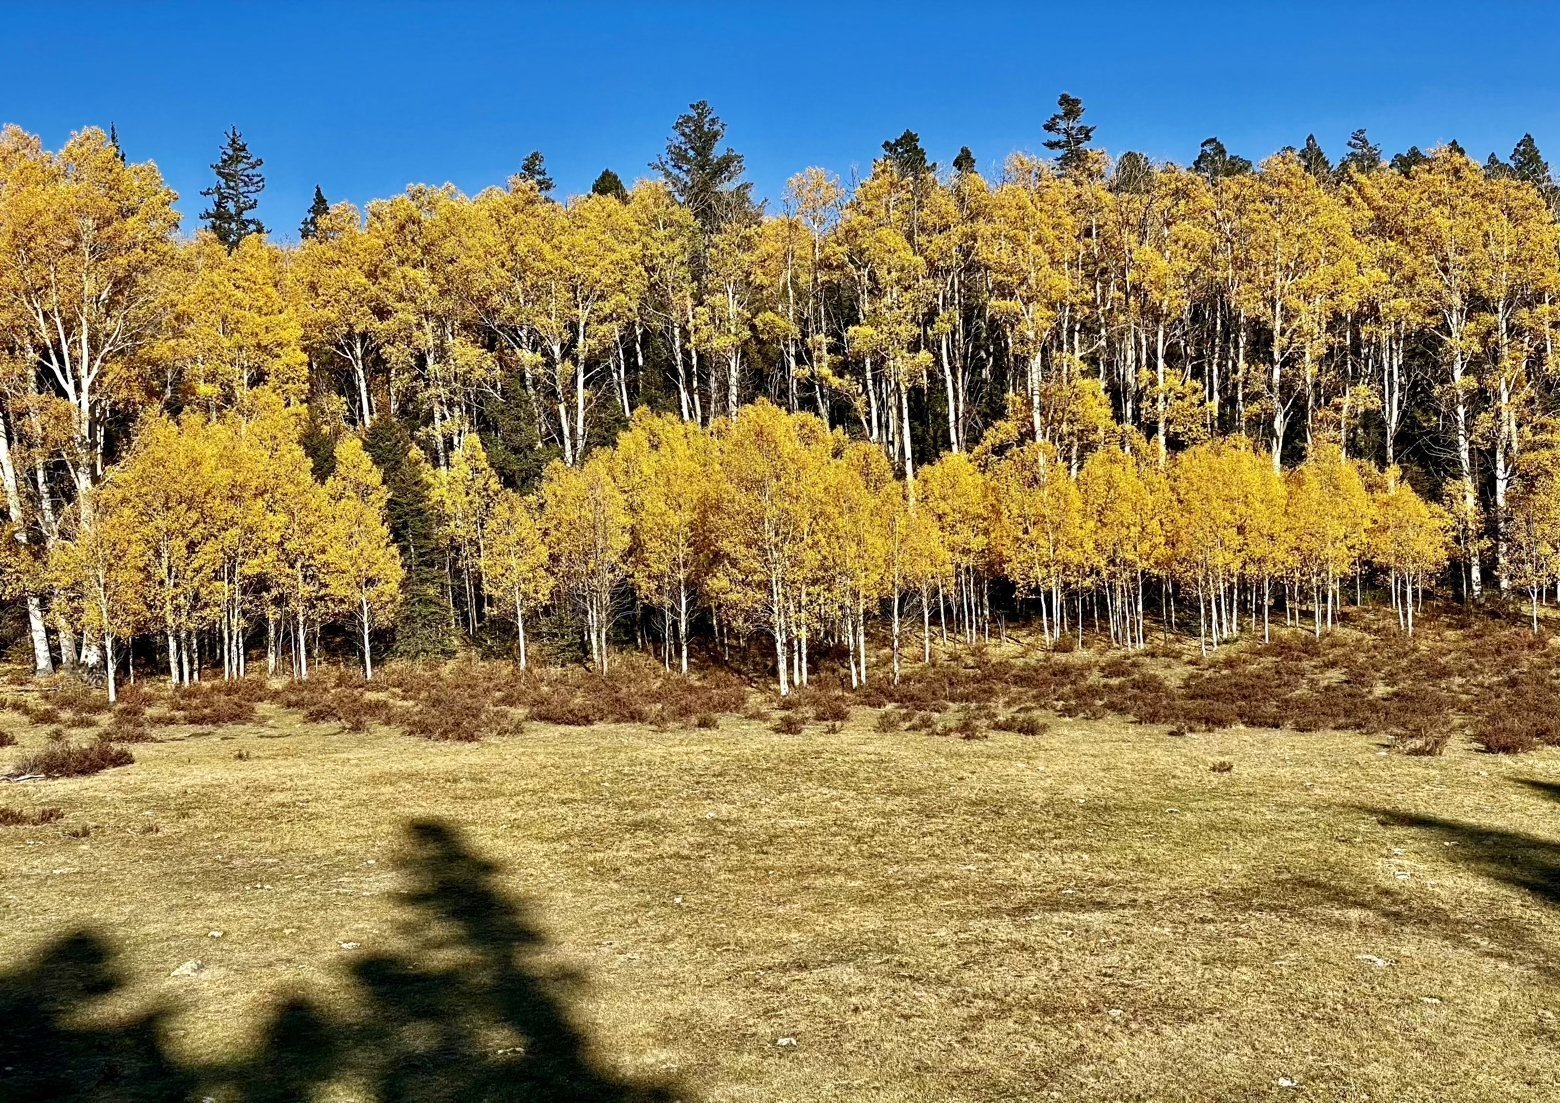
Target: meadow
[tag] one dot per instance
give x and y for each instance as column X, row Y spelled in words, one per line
column 1293, row 871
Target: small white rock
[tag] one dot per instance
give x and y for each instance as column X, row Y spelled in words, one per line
column 188, row 969
column 677, row 901
column 350, row 945
column 1115, row 1012
column 785, row 1041
column 1428, row 999
column 1286, row 1082
column 213, row 934
column 1372, row 959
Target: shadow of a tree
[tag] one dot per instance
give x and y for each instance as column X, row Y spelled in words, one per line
column 1523, row 861
column 461, row 1012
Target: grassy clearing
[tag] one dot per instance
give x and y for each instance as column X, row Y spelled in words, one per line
column 1097, row 910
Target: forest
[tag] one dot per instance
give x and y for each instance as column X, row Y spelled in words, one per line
column 1107, row 397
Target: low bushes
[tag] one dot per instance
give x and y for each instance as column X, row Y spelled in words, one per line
column 63, row 758
column 10, row 817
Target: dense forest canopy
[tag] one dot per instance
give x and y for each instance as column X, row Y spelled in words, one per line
column 1072, row 388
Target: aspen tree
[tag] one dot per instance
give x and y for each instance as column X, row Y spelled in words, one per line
column 585, row 526
column 517, row 563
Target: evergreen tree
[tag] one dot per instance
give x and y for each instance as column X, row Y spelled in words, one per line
column 425, row 627
column 610, row 183
column 1456, row 147
column 907, row 156
column 1313, row 160
column 234, row 194
column 1410, row 159
column 1528, row 164
column 705, row 178
column 1496, row 169
column 1364, row 156
column 113, row 140
column 317, row 210
column 1214, row 161
column 1072, row 135
column 964, row 163
column 534, row 169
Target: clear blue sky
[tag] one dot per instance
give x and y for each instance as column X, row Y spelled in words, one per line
column 366, row 98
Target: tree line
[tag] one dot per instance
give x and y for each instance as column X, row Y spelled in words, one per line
column 1080, row 389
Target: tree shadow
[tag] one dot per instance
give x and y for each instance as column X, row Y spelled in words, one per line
column 462, row 1011
column 1523, row 861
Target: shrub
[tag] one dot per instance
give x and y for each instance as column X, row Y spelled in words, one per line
column 10, row 817
column 706, row 720
column 1222, row 767
column 1426, row 738
column 127, row 729
column 1021, row 723
column 7, row 739
column 64, row 759
column 1506, row 735
column 831, row 708
column 790, row 723
column 889, row 720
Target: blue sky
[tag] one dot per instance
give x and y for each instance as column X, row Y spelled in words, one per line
column 367, row 98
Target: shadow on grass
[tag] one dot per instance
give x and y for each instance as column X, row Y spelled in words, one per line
column 463, row 1012
column 1523, row 861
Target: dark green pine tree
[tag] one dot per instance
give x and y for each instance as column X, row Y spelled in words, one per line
column 1528, row 164
column 907, row 156
column 317, row 210
column 1214, row 162
column 425, row 627
column 534, row 170
column 1496, row 169
column 1071, row 137
column 1455, row 146
column 964, row 163
column 1313, row 160
column 235, row 193
column 1410, row 159
column 610, row 183
column 1134, row 174
column 704, row 177
column 1363, row 157
column 113, row 140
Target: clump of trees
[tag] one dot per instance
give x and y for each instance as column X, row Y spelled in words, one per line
column 1076, row 389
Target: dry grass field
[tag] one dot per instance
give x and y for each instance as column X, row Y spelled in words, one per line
column 270, row 907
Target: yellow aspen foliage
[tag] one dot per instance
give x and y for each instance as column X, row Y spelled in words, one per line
column 1038, row 529
column 667, row 468
column 585, row 525
column 765, row 527
column 361, row 569
column 516, row 570
column 1409, row 540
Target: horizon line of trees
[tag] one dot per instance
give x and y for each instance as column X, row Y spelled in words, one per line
column 1385, row 325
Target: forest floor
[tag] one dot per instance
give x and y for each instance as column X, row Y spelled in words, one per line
column 268, row 907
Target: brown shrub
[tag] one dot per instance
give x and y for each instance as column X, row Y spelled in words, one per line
column 10, row 817
column 61, row 758
column 790, row 723
column 1222, row 767
column 707, row 721
column 127, row 729
column 217, row 704
column 1425, row 739
column 79, row 698
column 889, row 720
column 7, row 739
column 1508, row 734
column 831, row 708
column 1021, row 723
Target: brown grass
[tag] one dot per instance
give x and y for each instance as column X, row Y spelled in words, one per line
column 1089, row 912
